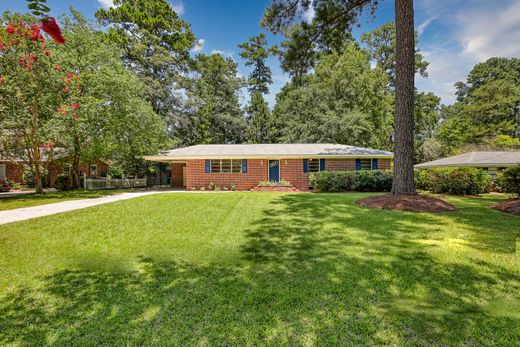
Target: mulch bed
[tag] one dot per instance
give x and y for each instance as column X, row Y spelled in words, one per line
column 509, row 206
column 414, row 203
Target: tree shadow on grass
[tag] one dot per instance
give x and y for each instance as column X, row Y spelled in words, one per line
column 318, row 270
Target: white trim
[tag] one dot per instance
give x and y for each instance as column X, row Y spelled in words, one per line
column 165, row 158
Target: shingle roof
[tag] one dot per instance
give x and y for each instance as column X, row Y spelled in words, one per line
column 296, row 150
column 478, row 159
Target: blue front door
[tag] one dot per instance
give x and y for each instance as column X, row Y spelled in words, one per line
column 274, row 170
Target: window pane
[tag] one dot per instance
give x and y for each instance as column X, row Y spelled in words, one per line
column 314, row 165
column 226, row 165
column 366, row 164
column 236, row 165
column 215, row 166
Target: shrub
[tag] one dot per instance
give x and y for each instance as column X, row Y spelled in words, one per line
column 4, row 186
column 509, row 181
column 345, row 181
column 233, row 187
column 63, row 182
column 28, row 178
column 457, row 181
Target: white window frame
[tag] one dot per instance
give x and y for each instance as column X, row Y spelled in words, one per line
column 309, row 164
column 369, row 166
column 220, row 166
column 66, row 169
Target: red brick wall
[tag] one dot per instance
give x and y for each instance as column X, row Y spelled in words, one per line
column 177, row 174
column 13, row 171
column 290, row 170
column 340, row 164
column 384, row 164
column 197, row 177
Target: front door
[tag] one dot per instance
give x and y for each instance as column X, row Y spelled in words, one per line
column 274, row 170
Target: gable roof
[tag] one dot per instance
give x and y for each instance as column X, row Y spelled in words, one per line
column 477, row 159
column 244, row 151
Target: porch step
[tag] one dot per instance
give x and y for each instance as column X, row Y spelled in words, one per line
column 274, row 189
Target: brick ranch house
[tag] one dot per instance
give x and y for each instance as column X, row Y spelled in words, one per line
column 246, row 165
column 13, row 169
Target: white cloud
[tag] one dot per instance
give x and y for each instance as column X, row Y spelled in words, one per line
column 178, row 7
column 223, row 53
column 424, row 24
column 106, row 4
column 199, row 45
column 308, row 15
column 491, row 31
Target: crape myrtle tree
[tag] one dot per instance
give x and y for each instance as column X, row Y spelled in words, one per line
column 260, row 125
column 156, row 45
column 30, row 87
column 338, row 16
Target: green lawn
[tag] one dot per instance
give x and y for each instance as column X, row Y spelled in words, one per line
column 260, row 268
column 28, row 200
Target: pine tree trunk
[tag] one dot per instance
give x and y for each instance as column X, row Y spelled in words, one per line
column 404, row 99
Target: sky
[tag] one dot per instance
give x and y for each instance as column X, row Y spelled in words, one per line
column 454, row 35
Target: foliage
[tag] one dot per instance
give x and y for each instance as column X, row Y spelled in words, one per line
column 255, row 53
column 261, row 125
column 381, row 43
column 5, row 186
column 63, row 182
column 457, row 181
column 30, row 89
column 29, row 180
column 509, row 180
column 213, row 113
column 487, row 106
column 156, row 44
column 344, row 101
column 348, row 181
column 103, row 113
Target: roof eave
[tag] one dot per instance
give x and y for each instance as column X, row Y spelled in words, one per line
column 166, row 158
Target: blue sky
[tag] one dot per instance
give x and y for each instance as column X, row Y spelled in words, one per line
column 454, row 35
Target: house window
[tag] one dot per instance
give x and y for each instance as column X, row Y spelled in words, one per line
column 66, row 169
column 366, row 164
column 3, row 171
column 314, row 165
column 226, row 165
column 93, row 170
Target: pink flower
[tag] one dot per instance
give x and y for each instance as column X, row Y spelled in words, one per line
column 74, row 106
column 10, row 29
column 50, row 26
column 65, row 90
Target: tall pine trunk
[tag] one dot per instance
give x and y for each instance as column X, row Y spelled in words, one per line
column 404, row 99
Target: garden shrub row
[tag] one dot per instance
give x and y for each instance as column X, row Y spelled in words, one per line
column 352, row 181
column 457, row 181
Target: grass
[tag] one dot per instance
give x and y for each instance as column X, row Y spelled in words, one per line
column 261, row 268
column 28, row 200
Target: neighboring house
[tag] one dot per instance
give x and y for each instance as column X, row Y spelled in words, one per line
column 246, row 165
column 12, row 170
column 488, row 161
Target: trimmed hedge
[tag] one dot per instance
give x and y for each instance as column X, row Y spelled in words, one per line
column 509, row 181
column 352, row 181
column 456, row 181
column 63, row 182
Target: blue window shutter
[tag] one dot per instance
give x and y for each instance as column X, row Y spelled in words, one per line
column 322, row 164
column 244, row 165
column 208, row 166
column 374, row 164
column 358, row 164
column 305, row 165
